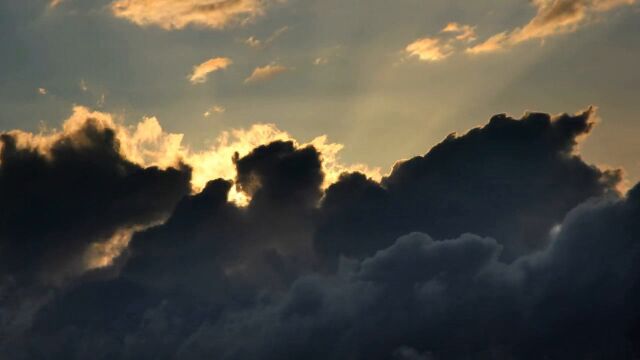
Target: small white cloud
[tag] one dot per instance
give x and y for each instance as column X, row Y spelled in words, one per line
column 42, row 91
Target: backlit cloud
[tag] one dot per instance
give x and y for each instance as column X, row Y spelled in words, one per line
column 266, row 72
column 309, row 271
column 200, row 72
column 553, row 17
column 177, row 14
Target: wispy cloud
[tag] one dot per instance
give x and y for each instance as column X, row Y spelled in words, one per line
column 265, row 73
column 461, row 32
column 441, row 46
column 172, row 15
column 256, row 43
column 216, row 109
column 200, row 72
column 553, row 17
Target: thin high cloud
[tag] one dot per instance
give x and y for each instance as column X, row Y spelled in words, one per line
column 553, row 17
column 202, row 71
column 264, row 73
column 178, row 14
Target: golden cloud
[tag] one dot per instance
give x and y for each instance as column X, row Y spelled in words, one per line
column 552, row 17
column 265, row 73
column 443, row 45
column 147, row 144
column 429, row 49
column 177, row 14
column 200, row 72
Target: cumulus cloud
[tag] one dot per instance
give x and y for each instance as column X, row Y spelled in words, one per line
column 500, row 243
column 264, row 73
column 42, row 91
column 509, row 168
column 172, row 15
column 202, row 71
column 553, row 17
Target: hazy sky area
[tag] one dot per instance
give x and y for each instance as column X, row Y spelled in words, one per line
column 341, row 68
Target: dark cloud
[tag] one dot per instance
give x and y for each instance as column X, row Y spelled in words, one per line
column 78, row 193
column 57, row 204
column 352, row 274
column 511, row 179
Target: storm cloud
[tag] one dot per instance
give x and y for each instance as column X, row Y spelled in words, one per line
column 501, row 243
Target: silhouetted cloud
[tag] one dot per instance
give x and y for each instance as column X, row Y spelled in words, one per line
column 499, row 243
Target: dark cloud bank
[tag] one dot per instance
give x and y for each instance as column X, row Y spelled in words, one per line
column 498, row 244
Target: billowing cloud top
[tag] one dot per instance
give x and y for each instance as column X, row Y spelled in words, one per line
column 532, row 253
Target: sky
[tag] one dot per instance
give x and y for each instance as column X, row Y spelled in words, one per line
column 330, row 179
column 338, row 68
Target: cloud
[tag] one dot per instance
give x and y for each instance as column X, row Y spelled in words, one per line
column 462, row 32
column 509, row 168
column 440, row 47
column 71, row 190
column 265, row 73
column 54, row 3
column 320, row 61
column 200, row 72
column 429, row 49
column 175, row 15
column 497, row 243
column 42, row 91
column 256, row 43
column 216, row 109
column 553, row 17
